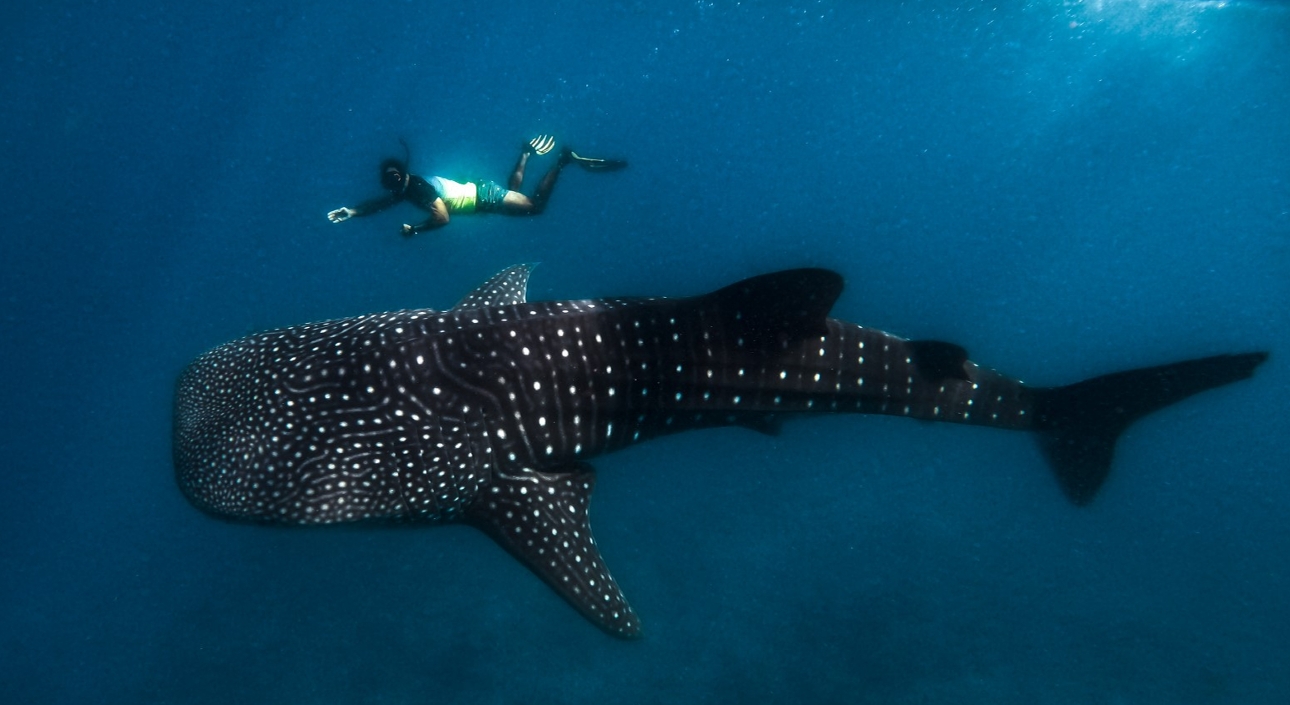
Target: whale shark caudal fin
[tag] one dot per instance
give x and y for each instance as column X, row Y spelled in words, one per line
column 1078, row 424
column 541, row 519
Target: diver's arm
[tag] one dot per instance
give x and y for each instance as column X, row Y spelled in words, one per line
column 438, row 218
column 376, row 205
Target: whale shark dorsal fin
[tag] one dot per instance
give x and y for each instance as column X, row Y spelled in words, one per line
column 772, row 310
column 541, row 519
column 508, row 287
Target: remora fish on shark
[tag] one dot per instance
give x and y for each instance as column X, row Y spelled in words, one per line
column 487, row 413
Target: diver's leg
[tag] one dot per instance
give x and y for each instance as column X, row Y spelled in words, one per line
column 546, row 185
column 517, row 174
column 515, row 203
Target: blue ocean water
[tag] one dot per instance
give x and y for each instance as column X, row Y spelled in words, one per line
column 1065, row 188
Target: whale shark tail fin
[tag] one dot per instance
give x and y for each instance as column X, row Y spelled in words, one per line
column 1078, row 424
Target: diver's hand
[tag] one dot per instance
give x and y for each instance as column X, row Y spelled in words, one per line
column 408, row 231
column 340, row 215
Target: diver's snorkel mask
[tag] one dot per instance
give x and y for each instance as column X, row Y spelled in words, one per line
column 394, row 176
column 394, row 173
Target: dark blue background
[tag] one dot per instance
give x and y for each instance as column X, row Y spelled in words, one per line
column 1065, row 188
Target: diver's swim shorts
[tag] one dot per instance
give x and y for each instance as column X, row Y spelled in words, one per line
column 489, row 196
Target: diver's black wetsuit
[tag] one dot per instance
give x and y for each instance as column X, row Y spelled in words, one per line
column 419, row 193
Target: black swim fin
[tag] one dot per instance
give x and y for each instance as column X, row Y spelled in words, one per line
column 590, row 163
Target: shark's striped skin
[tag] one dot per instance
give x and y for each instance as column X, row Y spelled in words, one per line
column 488, row 413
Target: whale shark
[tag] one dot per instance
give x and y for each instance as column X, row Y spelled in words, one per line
column 488, row 413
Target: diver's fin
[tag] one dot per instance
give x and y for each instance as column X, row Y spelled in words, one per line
column 591, row 163
column 1078, row 424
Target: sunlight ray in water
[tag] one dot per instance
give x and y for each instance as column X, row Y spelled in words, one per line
column 1155, row 18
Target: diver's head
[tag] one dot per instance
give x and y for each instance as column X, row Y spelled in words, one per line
column 394, row 175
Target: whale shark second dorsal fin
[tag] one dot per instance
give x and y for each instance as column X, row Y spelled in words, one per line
column 938, row 360
column 506, row 288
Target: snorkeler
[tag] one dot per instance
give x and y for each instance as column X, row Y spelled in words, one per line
column 443, row 197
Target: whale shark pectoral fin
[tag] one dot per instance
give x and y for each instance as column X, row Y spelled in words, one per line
column 508, row 287
column 937, row 360
column 541, row 519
